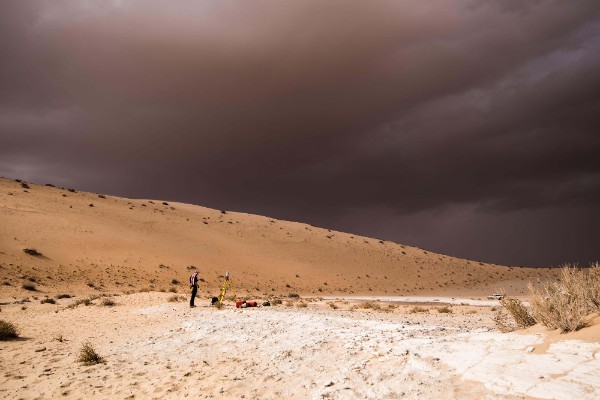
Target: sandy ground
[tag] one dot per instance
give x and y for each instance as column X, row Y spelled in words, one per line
column 113, row 244
column 156, row 349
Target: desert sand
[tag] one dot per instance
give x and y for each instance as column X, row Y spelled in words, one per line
column 112, row 244
column 156, row 349
column 374, row 319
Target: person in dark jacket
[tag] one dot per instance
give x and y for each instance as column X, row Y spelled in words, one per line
column 193, row 287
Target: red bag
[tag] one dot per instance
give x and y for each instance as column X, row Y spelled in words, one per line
column 239, row 303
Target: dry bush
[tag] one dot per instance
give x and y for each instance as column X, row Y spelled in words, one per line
column 504, row 322
column 418, row 309
column 594, row 285
column 566, row 303
column 276, row 302
column 444, row 310
column 176, row 298
column 48, row 301
column 8, row 330
column 301, row 304
column 87, row 301
column 29, row 286
column 108, row 302
column 332, row 305
column 32, row 252
column 370, row 305
column 88, row 355
column 293, row 295
column 519, row 312
column 288, row 304
column 173, row 289
column 62, row 296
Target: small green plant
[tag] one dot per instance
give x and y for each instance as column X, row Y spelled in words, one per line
column 8, row 330
column 88, row 355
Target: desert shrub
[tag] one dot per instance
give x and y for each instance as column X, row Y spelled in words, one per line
column 62, row 296
column 174, row 281
column 32, row 252
column 86, row 302
column 293, row 295
column 276, row 302
column 370, row 305
column 288, row 304
column 175, row 298
column 88, row 355
column 173, row 289
column 503, row 321
column 301, row 304
column 418, row 309
column 517, row 310
column 8, row 330
column 445, row 310
column 593, row 280
column 566, row 303
column 29, row 286
column 48, row 301
column 332, row 305
column 108, row 302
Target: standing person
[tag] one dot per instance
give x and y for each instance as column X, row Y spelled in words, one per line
column 194, row 287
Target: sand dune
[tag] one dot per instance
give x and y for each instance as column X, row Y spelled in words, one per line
column 110, row 244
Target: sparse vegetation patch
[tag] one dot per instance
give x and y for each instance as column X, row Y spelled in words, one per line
column 8, row 330
column 418, row 309
column 32, row 252
column 88, row 355
column 566, row 304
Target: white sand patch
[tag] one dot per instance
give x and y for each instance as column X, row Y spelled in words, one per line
column 158, row 351
column 419, row 299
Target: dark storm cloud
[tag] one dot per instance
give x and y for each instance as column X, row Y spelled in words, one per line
column 415, row 114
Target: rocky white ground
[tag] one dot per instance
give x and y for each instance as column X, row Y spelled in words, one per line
column 163, row 350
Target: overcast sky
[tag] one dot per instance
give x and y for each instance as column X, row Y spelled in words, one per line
column 470, row 128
